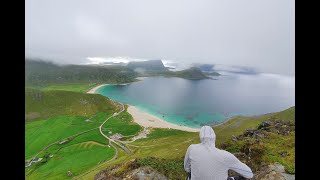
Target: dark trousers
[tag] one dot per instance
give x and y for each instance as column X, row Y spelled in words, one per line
column 236, row 178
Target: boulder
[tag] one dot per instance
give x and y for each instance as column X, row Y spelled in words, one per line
column 234, row 138
column 273, row 171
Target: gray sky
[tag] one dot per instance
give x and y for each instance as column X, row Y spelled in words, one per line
column 256, row 33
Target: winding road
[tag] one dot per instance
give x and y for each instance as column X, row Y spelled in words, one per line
column 111, row 140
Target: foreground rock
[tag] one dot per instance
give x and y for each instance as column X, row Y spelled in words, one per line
column 273, row 171
column 129, row 171
column 252, row 149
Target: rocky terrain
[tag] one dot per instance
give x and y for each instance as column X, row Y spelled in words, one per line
column 254, row 144
column 259, row 148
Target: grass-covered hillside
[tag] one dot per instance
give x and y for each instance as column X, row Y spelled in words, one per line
column 66, row 136
column 164, row 150
column 44, row 104
column 63, row 123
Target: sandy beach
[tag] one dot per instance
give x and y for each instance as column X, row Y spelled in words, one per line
column 147, row 120
column 93, row 90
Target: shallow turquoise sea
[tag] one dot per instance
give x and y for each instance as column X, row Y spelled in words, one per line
column 194, row 103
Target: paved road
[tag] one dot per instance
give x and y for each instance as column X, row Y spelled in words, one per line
column 111, row 140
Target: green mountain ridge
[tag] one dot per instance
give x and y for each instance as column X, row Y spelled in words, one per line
column 42, row 73
column 46, row 104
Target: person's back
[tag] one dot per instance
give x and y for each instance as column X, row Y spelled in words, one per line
column 206, row 162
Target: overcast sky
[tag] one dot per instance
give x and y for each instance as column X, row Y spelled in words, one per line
column 256, row 33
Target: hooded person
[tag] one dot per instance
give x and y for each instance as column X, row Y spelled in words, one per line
column 206, row 162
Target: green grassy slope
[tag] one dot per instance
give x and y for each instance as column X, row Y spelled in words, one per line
column 81, row 152
column 123, row 124
column 41, row 133
column 238, row 125
column 71, row 87
column 63, row 113
column 44, row 104
column 76, row 158
column 169, row 146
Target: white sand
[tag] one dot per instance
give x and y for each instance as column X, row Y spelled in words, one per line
column 93, row 90
column 147, row 120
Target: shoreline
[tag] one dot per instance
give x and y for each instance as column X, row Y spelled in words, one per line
column 145, row 119
column 93, row 90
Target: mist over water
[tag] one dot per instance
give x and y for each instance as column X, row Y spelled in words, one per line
column 194, row 103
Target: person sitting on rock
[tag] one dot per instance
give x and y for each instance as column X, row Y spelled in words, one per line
column 206, row 162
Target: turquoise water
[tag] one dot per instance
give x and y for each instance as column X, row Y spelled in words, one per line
column 195, row 103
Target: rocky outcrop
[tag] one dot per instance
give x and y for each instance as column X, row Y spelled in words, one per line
column 279, row 127
column 251, row 148
column 129, row 171
column 273, row 171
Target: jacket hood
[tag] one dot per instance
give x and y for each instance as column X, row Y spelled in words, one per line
column 207, row 136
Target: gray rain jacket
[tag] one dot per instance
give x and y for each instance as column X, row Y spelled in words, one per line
column 206, row 162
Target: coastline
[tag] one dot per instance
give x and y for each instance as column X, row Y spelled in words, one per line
column 93, row 90
column 145, row 119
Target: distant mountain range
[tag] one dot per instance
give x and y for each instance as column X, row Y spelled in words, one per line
column 42, row 73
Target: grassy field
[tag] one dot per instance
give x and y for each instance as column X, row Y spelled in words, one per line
column 77, row 155
column 75, row 88
column 76, row 158
column 61, row 112
column 238, row 125
column 39, row 134
column 80, row 152
column 123, row 124
column 169, row 146
column 45, row 104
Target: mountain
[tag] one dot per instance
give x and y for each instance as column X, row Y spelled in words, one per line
column 44, row 73
column 192, row 73
column 212, row 74
column 204, row 67
column 151, row 65
column 44, row 104
column 207, row 69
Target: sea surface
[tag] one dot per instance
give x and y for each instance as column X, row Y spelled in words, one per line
column 194, row 103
